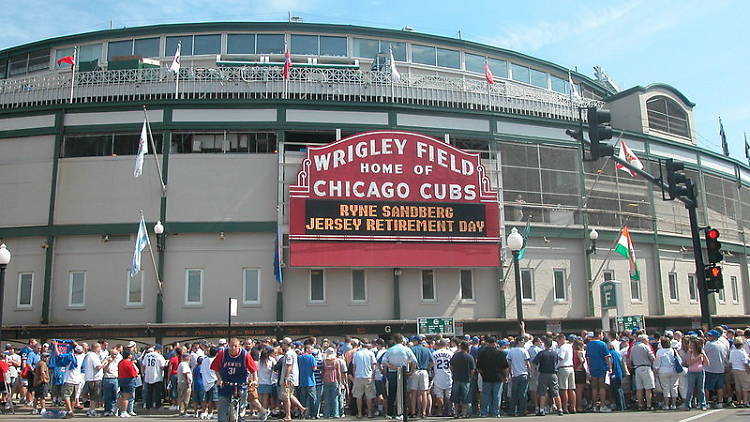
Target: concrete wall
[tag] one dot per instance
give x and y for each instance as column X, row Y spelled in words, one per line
column 222, row 187
column 27, row 257
column 25, row 176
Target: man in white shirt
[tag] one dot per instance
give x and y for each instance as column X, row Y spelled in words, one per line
column 565, row 374
column 195, row 353
column 92, row 375
column 289, row 379
column 363, row 362
column 152, row 368
column 210, row 390
column 442, row 381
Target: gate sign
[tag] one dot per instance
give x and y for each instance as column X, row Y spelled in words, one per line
column 393, row 199
column 608, row 294
column 631, row 322
column 436, row 325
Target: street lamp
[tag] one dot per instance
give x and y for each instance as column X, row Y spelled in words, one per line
column 593, row 235
column 515, row 243
column 4, row 261
column 159, row 230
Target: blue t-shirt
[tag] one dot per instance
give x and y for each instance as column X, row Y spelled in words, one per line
column 616, row 364
column 32, row 359
column 197, row 379
column 596, row 354
column 306, row 364
column 423, row 355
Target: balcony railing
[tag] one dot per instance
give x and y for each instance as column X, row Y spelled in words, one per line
column 264, row 83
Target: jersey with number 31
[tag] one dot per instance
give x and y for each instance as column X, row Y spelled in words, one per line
column 442, row 359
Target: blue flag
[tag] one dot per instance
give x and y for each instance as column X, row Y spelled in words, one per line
column 141, row 241
column 277, row 258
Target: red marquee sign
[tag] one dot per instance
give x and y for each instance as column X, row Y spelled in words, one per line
column 393, row 199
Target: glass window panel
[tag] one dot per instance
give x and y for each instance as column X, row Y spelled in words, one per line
column 317, row 286
column 428, row 285
column 194, row 286
column 673, row 288
column 559, row 276
column 305, row 44
column 119, row 48
column 38, row 60
column 252, row 285
column 448, row 58
column 527, row 285
column 88, row 53
column 270, row 44
column 499, row 68
column 366, row 48
column 735, row 289
column 560, row 85
column 467, row 284
column 538, row 78
column 207, row 44
column 146, row 47
column 635, row 290
column 520, row 73
column 241, row 44
column 332, row 46
column 519, row 155
column 25, row 286
column 722, row 296
column 423, row 54
column 187, row 45
column 399, row 49
column 609, row 275
column 358, row 286
column 666, row 115
column 87, row 146
column 135, row 289
column 77, row 288
column 3, row 69
column 18, row 65
column 474, row 63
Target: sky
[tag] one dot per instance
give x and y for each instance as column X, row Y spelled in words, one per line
column 699, row 47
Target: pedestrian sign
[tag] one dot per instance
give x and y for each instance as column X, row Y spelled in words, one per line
column 631, row 322
column 436, row 325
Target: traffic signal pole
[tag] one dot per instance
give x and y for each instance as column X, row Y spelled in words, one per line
column 700, row 274
column 691, row 203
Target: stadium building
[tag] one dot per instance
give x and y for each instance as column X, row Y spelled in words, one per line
column 242, row 151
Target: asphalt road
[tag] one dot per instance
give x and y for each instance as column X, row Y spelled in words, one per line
column 724, row 415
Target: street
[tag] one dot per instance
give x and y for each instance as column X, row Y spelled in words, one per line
column 723, row 415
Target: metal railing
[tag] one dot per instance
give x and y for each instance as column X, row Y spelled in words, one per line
column 263, row 83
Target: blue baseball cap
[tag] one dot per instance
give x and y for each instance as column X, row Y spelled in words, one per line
column 572, row 337
column 725, row 326
column 713, row 333
column 504, row 342
column 467, row 337
column 414, row 338
column 691, row 333
column 475, row 339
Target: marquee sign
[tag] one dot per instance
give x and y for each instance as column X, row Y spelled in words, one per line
column 392, row 199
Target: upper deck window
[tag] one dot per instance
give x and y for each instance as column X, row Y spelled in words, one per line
column 241, row 44
column 369, row 48
column 664, row 114
column 270, row 44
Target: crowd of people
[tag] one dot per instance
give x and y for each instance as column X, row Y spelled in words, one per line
column 358, row 377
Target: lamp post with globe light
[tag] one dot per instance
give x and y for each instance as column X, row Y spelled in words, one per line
column 4, row 261
column 515, row 243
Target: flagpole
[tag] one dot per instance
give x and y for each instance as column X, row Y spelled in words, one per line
column 177, row 73
column 73, row 72
column 153, row 259
column 747, row 150
column 153, row 148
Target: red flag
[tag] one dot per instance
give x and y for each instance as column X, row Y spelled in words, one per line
column 488, row 74
column 287, row 64
column 67, row 59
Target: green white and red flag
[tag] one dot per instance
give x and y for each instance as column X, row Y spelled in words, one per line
column 625, row 248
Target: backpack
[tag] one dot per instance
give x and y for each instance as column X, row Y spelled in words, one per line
column 677, row 362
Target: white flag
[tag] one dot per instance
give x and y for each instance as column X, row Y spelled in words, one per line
column 176, row 62
column 142, row 151
column 573, row 89
column 627, row 155
column 141, row 241
column 395, row 76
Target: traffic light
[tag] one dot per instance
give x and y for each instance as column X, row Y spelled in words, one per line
column 599, row 130
column 713, row 246
column 676, row 179
column 714, row 278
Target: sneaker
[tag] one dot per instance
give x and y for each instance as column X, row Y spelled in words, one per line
column 540, row 412
column 107, row 414
column 719, row 406
column 132, row 414
column 704, row 407
column 124, row 414
column 560, row 412
column 605, row 409
column 264, row 416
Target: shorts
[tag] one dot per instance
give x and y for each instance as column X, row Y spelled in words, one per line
column 286, row 391
column 380, row 387
column 93, row 389
column 547, row 385
column 441, row 393
column 2, row 387
column 211, row 394
column 364, row 386
column 265, row 389
column 741, row 380
column 68, row 390
column 127, row 385
column 56, row 390
column 418, row 381
column 41, row 390
column 728, row 377
column 460, row 392
column 580, row 377
column 714, row 381
column 644, row 378
column 598, row 383
column 566, row 378
column 198, row 395
column 533, row 380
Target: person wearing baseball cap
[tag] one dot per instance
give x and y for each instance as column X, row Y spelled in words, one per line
column 717, row 353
